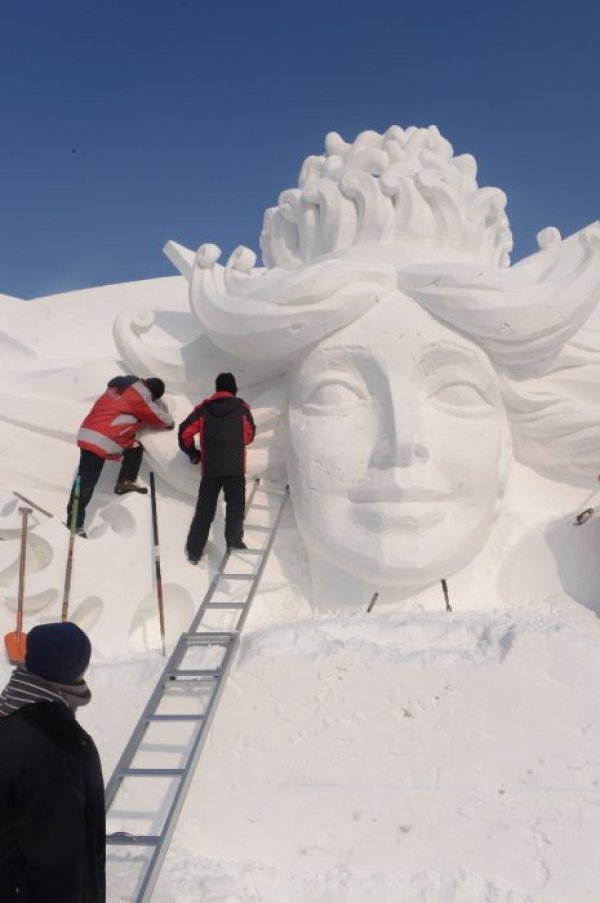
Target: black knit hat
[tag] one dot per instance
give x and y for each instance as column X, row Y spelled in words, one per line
column 225, row 382
column 156, row 386
column 58, row 652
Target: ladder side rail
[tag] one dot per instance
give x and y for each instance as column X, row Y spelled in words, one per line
column 244, row 614
column 220, row 570
column 211, row 589
column 254, row 577
column 171, row 667
column 185, row 641
column 142, row 724
column 255, row 485
column 160, row 850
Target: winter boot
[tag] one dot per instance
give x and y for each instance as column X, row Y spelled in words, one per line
column 193, row 557
column 124, row 486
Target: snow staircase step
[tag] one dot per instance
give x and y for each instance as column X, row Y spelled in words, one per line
column 185, row 682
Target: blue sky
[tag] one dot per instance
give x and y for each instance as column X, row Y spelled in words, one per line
column 128, row 122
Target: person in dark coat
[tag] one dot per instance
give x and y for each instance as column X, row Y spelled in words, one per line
column 224, row 426
column 109, row 432
column 52, row 821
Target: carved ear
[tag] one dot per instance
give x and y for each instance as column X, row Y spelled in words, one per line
column 181, row 258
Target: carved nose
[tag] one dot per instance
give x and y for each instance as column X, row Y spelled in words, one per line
column 398, row 454
column 399, row 444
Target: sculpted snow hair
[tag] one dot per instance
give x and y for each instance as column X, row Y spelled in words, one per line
column 399, row 213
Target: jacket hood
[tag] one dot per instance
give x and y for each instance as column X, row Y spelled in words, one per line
column 221, row 404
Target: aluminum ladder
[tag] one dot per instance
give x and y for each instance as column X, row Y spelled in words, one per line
column 184, row 700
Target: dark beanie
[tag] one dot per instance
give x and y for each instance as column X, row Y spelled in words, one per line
column 58, row 652
column 225, row 382
column 156, row 386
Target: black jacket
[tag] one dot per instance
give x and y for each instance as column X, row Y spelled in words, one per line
column 52, row 821
column 225, row 426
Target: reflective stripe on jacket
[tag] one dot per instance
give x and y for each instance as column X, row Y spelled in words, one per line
column 114, row 420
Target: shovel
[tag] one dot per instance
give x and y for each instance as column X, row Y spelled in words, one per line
column 15, row 642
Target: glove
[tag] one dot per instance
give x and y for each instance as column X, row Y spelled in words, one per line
column 194, row 456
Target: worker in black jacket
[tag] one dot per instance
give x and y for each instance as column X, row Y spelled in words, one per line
column 52, row 821
column 224, row 426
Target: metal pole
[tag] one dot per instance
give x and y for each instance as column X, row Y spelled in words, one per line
column 373, row 601
column 446, row 596
column 159, row 592
column 69, row 569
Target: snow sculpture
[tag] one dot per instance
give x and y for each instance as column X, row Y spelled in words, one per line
column 388, row 300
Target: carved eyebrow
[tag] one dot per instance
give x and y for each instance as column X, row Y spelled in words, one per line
column 347, row 355
column 440, row 353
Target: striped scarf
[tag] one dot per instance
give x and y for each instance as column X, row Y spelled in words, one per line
column 25, row 688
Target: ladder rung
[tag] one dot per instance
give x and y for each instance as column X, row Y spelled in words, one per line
column 175, row 718
column 152, row 772
column 225, row 605
column 236, row 576
column 224, row 638
column 260, row 527
column 213, row 684
column 272, row 490
column 250, row 551
column 208, row 674
column 124, row 839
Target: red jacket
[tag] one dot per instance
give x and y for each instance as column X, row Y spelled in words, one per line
column 114, row 420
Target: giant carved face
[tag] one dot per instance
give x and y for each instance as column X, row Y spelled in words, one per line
column 397, row 446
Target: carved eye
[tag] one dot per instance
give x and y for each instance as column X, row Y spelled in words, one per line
column 460, row 395
column 334, row 394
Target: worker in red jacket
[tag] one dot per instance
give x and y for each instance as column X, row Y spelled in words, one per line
column 109, row 432
column 224, row 426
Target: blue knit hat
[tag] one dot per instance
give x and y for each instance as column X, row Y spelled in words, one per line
column 58, row 652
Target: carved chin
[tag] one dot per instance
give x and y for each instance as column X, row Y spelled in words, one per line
column 407, row 555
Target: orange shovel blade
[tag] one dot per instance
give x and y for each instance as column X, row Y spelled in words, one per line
column 16, row 644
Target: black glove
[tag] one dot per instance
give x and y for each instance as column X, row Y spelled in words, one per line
column 194, row 456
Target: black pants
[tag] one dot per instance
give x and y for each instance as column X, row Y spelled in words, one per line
column 234, row 489
column 90, row 468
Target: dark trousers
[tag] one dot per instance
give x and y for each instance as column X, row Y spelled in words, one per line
column 90, row 468
column 234, row 489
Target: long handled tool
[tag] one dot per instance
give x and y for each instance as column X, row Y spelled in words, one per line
column 587, row 512
column 69, row 569
column 16, row 641
column 446, row 596
column 374, row 599
column 33, row 504
column 159, row 592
